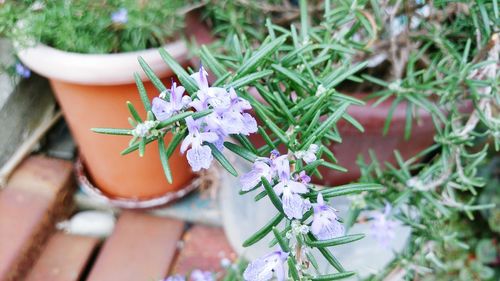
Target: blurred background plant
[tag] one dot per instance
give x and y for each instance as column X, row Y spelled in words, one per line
column 439, row 56
column 87, row 26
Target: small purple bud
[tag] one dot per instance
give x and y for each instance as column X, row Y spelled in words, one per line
column 120, row 16
column 382, row 228
column 22, row 70
column 274, row 154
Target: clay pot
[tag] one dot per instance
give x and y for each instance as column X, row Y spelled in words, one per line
column 92, row 91
column 355, row 143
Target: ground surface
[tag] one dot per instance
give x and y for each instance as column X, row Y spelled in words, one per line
column 142, row 246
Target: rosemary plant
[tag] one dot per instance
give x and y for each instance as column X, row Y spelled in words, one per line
column 92, row 26
column 288, row 80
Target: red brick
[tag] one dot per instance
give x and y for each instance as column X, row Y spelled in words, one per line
column 142, row 247
column 37, row 194
column 64, row 258
column 203, row 249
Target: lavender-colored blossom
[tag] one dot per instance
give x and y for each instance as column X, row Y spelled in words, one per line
column 294, row 205
column 238, row 103
column 265, row 268
column 22, row 70
column 251, row 179
column 200, row 155
column 120, row 16
column 227, row 118
column 176, row 277
column 325, row 224
column 201, row 78
column 233, row 122
column 163, row 109
column 382, row 228
column 207, row 96
column 303, row 177
column 308, row 155
column 282, row 168
column 249, row 124
column 198, row 275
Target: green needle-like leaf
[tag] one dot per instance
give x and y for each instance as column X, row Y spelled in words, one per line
column 135, row 146
column 151, row 75
column 222, row 160
column 178, row 137
column 347, row 189
column 260, row 55
column 164, row 159
column 281, row 240
column 335, row 241
column 142, row 92
column 272, row 195
column 335, row 276
column 134, row 112
column 211, row 62
column 174, row 119
column 111, row 131
column 331, row 259
column 261, row 233
column 142, row 147
column 185, row 79
column 250, row 78
column 243, row 152
column 292, row 266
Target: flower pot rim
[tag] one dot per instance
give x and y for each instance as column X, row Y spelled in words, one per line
column 99, row 69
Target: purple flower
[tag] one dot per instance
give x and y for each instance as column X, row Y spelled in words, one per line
column 294, row 205
column 264, row 268
column 233, row 122
column 227, row 118
column 198, row 275
column 282, row 168
column 252, row 178
column 201, row 78
column 237, row 103
column 176, row 277
column 22, row 70
column 325, row 224
column 200, row 155
column 120, row 16
column 207, row 96
column 382, row 228
column 303, row 177
column 163, row 109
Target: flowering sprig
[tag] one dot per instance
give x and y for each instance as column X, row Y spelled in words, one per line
column 202, row 117
column 298, row 109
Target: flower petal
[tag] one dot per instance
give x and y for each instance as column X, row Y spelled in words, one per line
column 199, row 157
column 161, row 109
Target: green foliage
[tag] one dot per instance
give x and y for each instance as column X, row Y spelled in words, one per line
column 298, row 80
column 85, row 26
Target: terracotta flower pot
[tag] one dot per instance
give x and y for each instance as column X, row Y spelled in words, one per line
column 355, row 143
column 92, row 91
